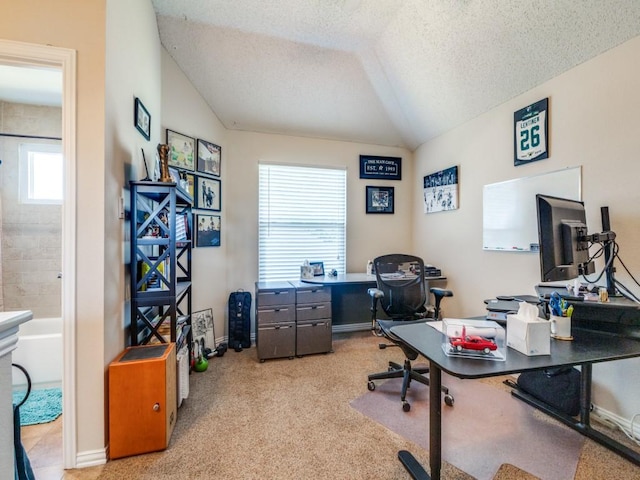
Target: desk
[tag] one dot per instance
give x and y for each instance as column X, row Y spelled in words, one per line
column 586, row 349
column 350, row 302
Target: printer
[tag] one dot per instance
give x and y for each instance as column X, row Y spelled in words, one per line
column 498, row 308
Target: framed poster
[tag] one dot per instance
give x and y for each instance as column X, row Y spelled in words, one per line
column 208, row 193
column 440, row 190
column 203, row 332
column 384, row 168
column 208, row 230
column 531, row 133
column 209, row 158
column 380, row 199
column 181, row 150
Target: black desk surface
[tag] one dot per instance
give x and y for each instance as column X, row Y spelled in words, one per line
column 351, row 279
column 587, row 347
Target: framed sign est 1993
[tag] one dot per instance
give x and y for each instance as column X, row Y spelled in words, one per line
column 531, row 133
column 384, row 168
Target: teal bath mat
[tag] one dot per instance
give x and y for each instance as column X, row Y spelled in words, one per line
column 42, row 406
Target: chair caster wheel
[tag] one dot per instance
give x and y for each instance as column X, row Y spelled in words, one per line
column 448, row 399
column 406, row 406
column 371, row 386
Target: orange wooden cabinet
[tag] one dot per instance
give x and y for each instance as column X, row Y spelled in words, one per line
column 142, row 400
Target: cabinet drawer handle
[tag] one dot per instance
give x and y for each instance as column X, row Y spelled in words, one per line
column 156, row 407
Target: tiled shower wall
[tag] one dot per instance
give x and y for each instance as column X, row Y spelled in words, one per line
column 30, row 235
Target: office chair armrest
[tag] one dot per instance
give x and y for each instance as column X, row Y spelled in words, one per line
column 375, row 295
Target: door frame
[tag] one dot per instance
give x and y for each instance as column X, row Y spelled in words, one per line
column 27, row 55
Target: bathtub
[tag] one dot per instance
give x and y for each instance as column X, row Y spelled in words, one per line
column 39, row 351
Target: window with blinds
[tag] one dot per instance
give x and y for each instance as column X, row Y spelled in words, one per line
column 302, row 216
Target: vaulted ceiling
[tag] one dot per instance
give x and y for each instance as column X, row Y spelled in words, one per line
column 388, row 72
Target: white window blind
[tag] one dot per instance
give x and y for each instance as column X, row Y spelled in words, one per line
column 302, row 216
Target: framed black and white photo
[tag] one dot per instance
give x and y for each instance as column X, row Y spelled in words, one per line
column 208, row 230
column 142, row 119
column 531, row 133
column 182, row 150
column 209, row 158
column 380, row 199
column 203, row 331
column 207, row 193
column 440, row 190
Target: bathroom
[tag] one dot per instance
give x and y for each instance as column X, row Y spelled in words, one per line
column 30, row 233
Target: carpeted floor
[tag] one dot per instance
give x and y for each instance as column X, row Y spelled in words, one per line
column 292, row 419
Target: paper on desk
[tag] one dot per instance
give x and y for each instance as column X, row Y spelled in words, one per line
column 437, row 325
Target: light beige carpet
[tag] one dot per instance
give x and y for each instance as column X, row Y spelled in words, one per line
column 510, row 472
column 292, row 420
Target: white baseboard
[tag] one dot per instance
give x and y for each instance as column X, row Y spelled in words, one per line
column 91, row 458
column 612, row 420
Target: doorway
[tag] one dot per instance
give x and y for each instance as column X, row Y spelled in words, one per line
column 29, row 56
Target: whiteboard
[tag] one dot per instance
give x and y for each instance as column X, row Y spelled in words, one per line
column 509, row 215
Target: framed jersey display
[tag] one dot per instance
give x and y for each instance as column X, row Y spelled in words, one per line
column 531, row 133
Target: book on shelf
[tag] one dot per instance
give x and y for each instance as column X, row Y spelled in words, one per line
column 158, row 278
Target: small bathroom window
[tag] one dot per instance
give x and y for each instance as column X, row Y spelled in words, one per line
column 41, row 173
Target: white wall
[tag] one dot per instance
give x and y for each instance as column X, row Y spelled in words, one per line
column 592, row 123
column 218, row 271
column 185, row 111
column 367, row 235
column 80, row 25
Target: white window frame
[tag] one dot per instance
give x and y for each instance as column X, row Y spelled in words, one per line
column 27, row 172
column 302, row 215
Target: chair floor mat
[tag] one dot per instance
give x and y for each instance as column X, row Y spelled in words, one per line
column 485, row 428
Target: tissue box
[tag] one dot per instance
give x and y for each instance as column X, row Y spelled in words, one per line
column 529, row 336
column 306, row 272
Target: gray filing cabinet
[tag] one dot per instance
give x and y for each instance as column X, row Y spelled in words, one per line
column 313, row 318
column 275, row 316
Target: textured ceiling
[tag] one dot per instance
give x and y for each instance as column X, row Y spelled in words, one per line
column 390, row 72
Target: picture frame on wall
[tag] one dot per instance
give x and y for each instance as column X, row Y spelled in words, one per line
column 191, row 181
column 209, row 158
column 380, row 199
column 380, row 168
column 440, row 190
column 181, row 150
column 531, row 133
column 142, row 119
column 208, row 195
column 208, row 229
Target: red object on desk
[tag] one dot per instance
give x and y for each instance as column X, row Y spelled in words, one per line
column 472, row 342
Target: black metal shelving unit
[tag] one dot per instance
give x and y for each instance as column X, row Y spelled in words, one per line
column 161, row 242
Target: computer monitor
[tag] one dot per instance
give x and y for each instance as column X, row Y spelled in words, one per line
column 563, row 238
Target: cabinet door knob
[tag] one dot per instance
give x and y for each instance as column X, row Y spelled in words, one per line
column 156, row 407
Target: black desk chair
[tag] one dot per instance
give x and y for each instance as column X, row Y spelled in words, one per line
column 401, row 294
